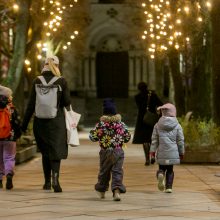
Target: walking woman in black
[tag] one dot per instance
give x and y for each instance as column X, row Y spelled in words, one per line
column 50, row 134
column 143, row 132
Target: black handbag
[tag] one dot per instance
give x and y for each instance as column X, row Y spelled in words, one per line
column 150, row 118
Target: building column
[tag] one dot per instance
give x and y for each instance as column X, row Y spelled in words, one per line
column 86, row 75
column 93, row 76
column 144, row 69
column 131, row 72
column 151, row 74
column 138, row 69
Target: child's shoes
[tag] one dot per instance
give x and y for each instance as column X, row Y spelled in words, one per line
column 9, row 183
column 116, row 195
column 101, row 194
column 168, row 190
column 161, row 181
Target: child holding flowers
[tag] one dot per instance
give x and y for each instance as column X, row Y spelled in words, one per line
column 111, row 133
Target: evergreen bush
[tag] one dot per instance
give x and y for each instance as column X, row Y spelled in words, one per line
column 200, row 134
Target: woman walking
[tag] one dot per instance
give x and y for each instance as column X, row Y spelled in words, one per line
column 143, row 132
column 50, row 134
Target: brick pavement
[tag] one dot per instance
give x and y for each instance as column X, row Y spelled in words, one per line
column 196, row 192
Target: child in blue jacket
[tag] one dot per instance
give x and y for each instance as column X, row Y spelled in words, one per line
column 168, row 146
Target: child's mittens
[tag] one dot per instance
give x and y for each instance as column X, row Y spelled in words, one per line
column 152, row 157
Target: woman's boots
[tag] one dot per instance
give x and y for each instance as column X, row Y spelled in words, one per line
column 55, row 182
column 47, row 173
column 47, row 184
column 54, row 166
column 146, row 147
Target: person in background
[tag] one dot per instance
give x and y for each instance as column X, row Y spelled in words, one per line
column 10, row 131
column 143, row 132
column 50, row 134
column 167, row 145
column 111, row 133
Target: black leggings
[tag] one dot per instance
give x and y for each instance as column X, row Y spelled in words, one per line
column 50, row 165
column 166, row 168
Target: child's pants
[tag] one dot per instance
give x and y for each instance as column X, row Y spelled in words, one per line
column 111, row 162
column 168, row 171
column 7, row 157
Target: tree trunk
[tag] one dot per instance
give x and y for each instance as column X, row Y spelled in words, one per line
column 16, row 64
column 215, row 19
column 159, row 76
column 177, row 83
column 200, row 98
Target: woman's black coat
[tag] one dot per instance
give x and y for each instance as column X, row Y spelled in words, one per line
column 50, row 134
column 143, row 132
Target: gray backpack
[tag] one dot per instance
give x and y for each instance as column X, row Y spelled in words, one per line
column 46, row 105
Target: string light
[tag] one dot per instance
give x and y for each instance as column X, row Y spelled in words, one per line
column 39, row 57
column 168, row 26
column 54, row 22
column 27, row 62
column 51, row 26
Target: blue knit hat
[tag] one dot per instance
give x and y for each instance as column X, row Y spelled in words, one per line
column 109, row 107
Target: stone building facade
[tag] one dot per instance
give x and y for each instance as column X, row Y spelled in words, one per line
column 114, row 60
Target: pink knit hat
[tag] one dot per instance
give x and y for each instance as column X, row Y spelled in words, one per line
column 168, row 109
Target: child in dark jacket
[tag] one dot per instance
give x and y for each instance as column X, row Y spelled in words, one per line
column 10, row 131
column 111, row 133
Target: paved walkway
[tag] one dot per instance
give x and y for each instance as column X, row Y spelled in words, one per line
column 196, row 193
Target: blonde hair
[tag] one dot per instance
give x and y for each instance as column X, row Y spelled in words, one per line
column 53, row 67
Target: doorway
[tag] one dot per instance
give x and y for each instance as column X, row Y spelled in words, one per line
column 112, row 74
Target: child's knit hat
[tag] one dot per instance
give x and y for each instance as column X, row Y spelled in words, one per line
column 168, row 110
column 109, row 107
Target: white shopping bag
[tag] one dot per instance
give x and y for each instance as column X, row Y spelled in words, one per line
column 72, row 119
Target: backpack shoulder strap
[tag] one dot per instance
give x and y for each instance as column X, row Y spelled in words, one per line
column 41, row 78
column 53, row 80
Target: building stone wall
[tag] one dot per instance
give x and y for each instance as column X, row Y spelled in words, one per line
column 112, row 29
